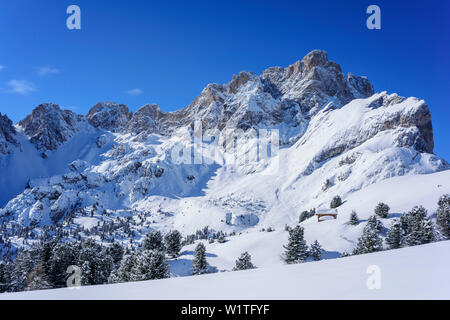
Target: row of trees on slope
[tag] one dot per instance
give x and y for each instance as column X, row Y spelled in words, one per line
column 412, row 228
column 45, row 265
column 297, row 251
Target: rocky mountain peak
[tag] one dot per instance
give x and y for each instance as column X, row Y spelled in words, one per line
column 146, row 119
column 152, row 109
column 290, row 95
column 239, row 80
column 48, row 126
column 315, row 58
column 362, row 85
column 7, row 135
column 109, row 116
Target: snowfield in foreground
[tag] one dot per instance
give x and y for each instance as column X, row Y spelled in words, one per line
column 419, row 272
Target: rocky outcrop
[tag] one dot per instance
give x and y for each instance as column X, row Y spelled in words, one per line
column 48, row 126
column 7, row 135
column 109, row 116
column 146, row 120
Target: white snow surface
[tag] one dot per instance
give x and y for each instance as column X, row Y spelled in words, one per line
column 419, row 272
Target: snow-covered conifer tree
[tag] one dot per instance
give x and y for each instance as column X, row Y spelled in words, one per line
column 159, row 267
column 443, row 216
column 417, row 227
column 126, row 270
column 370, row 241
column 336, row 202
column 354, row 220
column 382, row 210
column 394, row 237
column 374, row 223
column 221, row 238
column 173, row 243
column 154, row 241
column 244, row 262
column 296, row 249
column 316, row 251
column 199, row 264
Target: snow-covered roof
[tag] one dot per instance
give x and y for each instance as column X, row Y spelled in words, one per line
column 327, row 211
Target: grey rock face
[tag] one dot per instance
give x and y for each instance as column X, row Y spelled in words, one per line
column 146, row 120
column 109, row 116
column 315, row 58
column 7, row 135
column 48, row 126
column 422, row 138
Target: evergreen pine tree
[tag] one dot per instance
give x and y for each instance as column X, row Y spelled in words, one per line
column 6, row 270
column 418, row 229
column 316, row 251
column 116, row 252
column 96, row 264
column 173, row 243
column 199, row 264
column 63, row 256
column 154, row 241
column 159, row 267
column 141, row 268
column 443, row 216
column 45, row 254
column 296, row 249
column 145, row 265
column 370, row 241
column 306, row 215
column 87, row 277
column 336, row 202
column 3, row 287
column 404, row 222
column 374, row 223
column 382, row 210
column 244, row 262
column 37, row 278
column 126, row 270
column 221, row 238
column 23, row 264
column 354, row 220
column 394, row 236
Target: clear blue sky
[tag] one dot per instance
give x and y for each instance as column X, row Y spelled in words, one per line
column 165, row 52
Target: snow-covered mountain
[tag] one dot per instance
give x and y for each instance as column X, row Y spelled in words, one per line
column 336, row 137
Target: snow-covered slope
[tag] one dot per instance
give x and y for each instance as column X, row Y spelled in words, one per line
column 336, row 137
column 336, row 236
column 419, row 272
column 43, row 145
